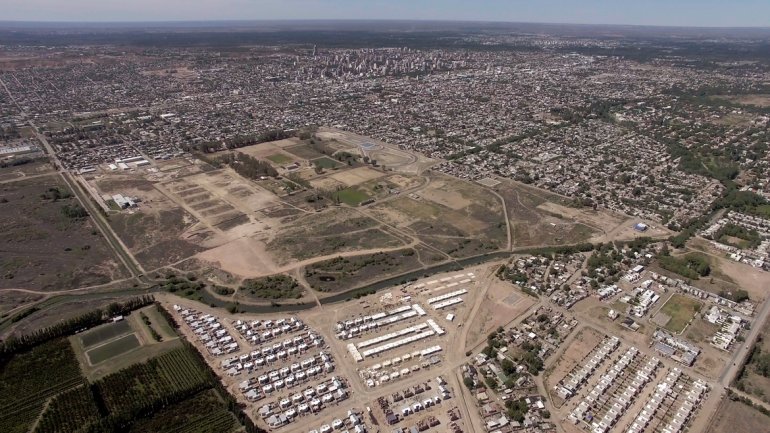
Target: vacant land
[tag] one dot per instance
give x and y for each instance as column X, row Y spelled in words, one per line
column 737, row 417
column 456, row 217
column 540, row 218
column 333, row 231
column 343, row 273
column 45, row 243
column 755, row 377
column 757, row 100
column 680, row 309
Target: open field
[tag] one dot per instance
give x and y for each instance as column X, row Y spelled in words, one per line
column 351, row 196
column 42, row 248
column 573, row 355
column 113, row 349
column 737, row 417
column 333, row 231
column 539, row 218
column 343, row 273
column 385, row 154
column 502, row 303
column 752, row 381
column 456, row 217
column 680, row 309
column 38, row 167
column 757, row 100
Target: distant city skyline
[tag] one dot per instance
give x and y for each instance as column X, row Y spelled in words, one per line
column 691, row 13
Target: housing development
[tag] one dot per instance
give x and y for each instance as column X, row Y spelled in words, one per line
column 462, row 228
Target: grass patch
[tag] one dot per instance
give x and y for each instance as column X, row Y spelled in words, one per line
column 103, row 333
column 113, row 349
column 325, row 163
column 280, row 158
column 680, row 309
column 352, row 196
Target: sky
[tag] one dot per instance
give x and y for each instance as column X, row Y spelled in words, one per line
column 710, row 13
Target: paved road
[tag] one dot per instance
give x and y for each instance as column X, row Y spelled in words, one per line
column 741, row 353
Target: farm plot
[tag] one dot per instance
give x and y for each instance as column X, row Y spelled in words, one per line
column 45, row 247
column 29, row 379
column 103, row 333
column 113, row 349
column 174, row 373
column 204, row 412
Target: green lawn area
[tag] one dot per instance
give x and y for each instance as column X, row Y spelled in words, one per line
column 113, row 349
column 681, row 309
column 280, row 158
column 104, row 333
column 352, row 197
column 325, row 163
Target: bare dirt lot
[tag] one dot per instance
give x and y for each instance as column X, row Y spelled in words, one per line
column 41, row 247
column 502, row 303
column 734, row 416
column 539, row 218
column 456, row 217
column 335, row 230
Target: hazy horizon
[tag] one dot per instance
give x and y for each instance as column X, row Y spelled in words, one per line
column 659, row 13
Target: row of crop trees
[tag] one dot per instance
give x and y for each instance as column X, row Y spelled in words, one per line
column 18, row 344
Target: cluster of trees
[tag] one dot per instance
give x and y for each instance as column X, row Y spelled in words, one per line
column 752, row 237
column 74, row 211
column 738, row 295
column 148, row 322
column 273, row 287
column 55, row 194
column 18, row 344
column 692, row 266
column 15, row 162
column 244, row 140
column 248, row 166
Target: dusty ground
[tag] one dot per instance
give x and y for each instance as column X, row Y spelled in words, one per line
column 502, row 303
column 736, row 417
column 40, row 248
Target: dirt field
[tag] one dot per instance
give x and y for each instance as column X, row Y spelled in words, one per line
column 736, row 417
column 758, row 100
column 502, row 304
column 456, row 217
column 539, row 218
column 385, row 154
column 40, row 248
